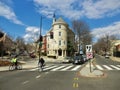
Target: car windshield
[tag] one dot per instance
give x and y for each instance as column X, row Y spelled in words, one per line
column 77, row 57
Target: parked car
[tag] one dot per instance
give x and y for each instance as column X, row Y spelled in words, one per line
column 78, row 59
column 32, row 55
column 107, row 56
column 84, row 58
column 67, row 60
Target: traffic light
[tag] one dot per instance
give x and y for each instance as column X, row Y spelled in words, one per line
column 41, row 38
column 40, row 44
column 1, row 34
column 51, row 35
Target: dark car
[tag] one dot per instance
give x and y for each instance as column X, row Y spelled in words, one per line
column 78, row 59
column 85, row 58
column 32, row 55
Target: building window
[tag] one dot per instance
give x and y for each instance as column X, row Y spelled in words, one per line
column 64, row 42
column 48, row 45
column 59, row 26
column 59, row 33
column 59, row 42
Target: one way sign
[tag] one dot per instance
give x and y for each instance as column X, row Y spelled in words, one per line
column 88, row 48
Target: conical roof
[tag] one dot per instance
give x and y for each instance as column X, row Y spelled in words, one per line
column 60, row 20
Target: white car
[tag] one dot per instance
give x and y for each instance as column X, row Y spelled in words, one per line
column 106, row 56
column 67, row 60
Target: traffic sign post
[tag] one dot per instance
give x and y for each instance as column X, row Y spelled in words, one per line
column 89, row 54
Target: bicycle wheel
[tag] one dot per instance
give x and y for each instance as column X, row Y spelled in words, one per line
column 40, row 68
column 11, row 67
column 19, row 67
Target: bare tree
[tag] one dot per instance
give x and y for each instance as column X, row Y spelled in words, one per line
column 82, row 32
column 103, row 45
column 6, row 44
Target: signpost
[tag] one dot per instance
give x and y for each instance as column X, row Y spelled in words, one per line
column 89, row 54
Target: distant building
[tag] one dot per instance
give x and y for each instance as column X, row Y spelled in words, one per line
column 58, row 38
column 44, row 44
column 115, row 48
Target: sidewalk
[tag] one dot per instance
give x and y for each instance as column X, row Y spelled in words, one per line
column 32, row 63
column 93, row 72
column 25, row 65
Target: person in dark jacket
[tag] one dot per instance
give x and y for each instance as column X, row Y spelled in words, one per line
column 41, row 61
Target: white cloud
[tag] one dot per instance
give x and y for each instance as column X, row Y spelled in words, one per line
column 78, row 8
column 101, row 8
column 8, row 13
column 113, row 29
column 32, row 34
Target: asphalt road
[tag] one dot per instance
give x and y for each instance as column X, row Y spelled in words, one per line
column 61, row 80
column 110, row 81
column 26, row 80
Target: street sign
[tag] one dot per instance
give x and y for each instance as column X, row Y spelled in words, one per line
column 88, row 48
column 89, row 53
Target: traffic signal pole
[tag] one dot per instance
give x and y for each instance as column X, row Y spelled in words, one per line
column 40, row 36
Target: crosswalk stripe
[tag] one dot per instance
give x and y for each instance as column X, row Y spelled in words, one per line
column 48, row 68
column 66, row 68
column 107, row 67
column 99, row 67
column 118, row 65
column 57, row 68
column 54, row 67
column 75, row 68
column 115, row 67
column 36, row 68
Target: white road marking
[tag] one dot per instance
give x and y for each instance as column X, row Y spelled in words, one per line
column 115, row 67
column 107, row 67
column 38, row 76
column 99, row 67
column 118, row 65
column 49, row 68
column 57, row 68
column 25, row 82
column 74, row 69
column 66, row 68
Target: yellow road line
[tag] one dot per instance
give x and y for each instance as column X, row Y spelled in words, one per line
column 75, row 85
column 75, row 78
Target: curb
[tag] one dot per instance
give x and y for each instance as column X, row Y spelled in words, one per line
column 85, row 71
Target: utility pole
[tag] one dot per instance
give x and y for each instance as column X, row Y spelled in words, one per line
column 40, row 36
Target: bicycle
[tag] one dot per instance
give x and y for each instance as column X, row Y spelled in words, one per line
column 14, row 67
column 40, row 67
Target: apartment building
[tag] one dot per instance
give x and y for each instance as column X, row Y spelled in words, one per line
column 57, row 38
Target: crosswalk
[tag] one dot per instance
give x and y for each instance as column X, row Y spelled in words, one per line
column 59, row 68
column 108, row 67
column 55, row 67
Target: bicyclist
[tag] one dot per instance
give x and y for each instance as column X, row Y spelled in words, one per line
column 14, row 61
column 41, row 62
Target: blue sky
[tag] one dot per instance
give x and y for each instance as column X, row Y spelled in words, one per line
column 22, row 17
